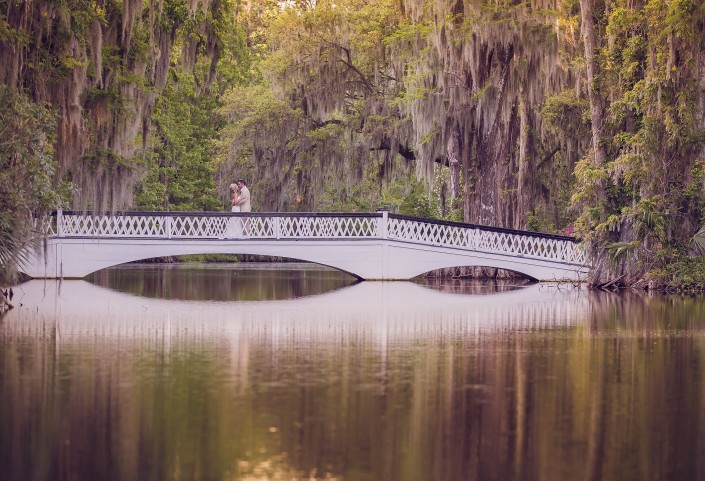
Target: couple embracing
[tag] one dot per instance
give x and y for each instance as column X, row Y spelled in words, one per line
column 238, row 226
column 240, row 197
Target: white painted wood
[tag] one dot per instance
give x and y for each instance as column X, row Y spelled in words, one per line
column 377, row 246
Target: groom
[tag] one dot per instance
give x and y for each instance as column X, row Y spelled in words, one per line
column 244, row 197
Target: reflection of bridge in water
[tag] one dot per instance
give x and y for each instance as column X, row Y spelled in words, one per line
column 382, row 311
column 368, row 246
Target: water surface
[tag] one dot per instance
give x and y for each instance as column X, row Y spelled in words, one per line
column 161, row 373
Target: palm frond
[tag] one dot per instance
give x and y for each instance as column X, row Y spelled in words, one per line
column 698, row 241
column 619, row 250
column 16, row 245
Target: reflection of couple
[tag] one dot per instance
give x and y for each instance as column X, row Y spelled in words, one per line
column 240, row 203
column 240, row 197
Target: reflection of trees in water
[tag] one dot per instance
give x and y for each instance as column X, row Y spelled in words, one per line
column 650, row 313
column 221, row 284
column 474, row 272
column 645, row 378
column 472, row 286
column 517, row 404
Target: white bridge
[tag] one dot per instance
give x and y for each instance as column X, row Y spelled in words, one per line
column 369, row 246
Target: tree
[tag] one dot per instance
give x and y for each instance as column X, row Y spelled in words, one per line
column 641, row 196
column 180, row 169
column 28, row 191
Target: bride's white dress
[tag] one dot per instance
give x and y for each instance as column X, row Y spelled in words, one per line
column 235, row 224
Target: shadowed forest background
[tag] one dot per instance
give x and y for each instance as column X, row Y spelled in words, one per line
column 582, row 117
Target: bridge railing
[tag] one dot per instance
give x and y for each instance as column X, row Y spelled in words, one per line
column 210, row 225
column 486, row 239
column 207, row 225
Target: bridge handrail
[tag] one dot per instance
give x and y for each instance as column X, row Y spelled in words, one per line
column 216, row 225
column 219, row 214
column 324, row 214
column 492, row 240
column 303, row 225
column 486, row 227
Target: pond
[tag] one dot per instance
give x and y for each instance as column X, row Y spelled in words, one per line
column 292, row 371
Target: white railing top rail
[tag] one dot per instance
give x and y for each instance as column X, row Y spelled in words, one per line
column 310, row 226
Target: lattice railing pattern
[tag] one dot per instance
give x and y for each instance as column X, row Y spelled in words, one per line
column 112, row 226
column 477, row 239
column 218, row 227
column 227, row 226
column 47, row 225
column 328, row 227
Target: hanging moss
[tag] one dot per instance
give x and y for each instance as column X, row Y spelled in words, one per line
column 100, row 65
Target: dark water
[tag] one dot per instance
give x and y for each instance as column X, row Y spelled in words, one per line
column 161, row 374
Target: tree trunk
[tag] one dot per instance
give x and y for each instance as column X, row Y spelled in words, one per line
column 485, row 199
column 454, row 162
column 525, row 175
column 492, row 141
column 597, row 108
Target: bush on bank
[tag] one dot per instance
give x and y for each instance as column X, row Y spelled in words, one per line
column 683, row 273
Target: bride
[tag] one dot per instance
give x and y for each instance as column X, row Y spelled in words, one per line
column 235, row 198
column 235, row 223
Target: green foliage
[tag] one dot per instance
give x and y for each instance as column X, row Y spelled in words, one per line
column 694, row 189
column 648, row 218
column 565, row 110
column 590, row 179
column 139, row 45
column 620, row 250
column 28, row 191
column 180, row 168
column 412, row 199
column 12, row 35
column 236, row 65
column 208, row 258
column 252, row 115
column 409, row 32
column 350, row 198
column 401, row 195
column 533, row 223
column 677, row 272
column 325, row 132
column 174, row 14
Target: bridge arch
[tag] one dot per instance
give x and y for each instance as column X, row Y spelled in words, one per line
column 238, row 249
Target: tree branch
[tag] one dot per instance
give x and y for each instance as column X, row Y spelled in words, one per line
column 548, row 157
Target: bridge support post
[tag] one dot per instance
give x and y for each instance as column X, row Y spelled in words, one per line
column 60, row 223
column 383, row 234
column 382, row 223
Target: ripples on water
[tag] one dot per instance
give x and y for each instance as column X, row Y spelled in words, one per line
column 302, row 373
